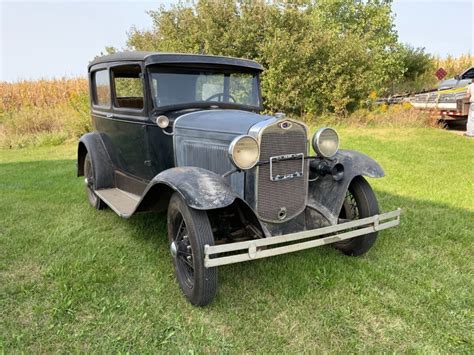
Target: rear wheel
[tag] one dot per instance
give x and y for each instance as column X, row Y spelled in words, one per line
column 189, row 231
column 360, row 202
column 89, row 179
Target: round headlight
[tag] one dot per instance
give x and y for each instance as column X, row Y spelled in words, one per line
column 244, row 152
column 326, row 142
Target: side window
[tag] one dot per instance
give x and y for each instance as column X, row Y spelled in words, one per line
column 128, row 87
column 101, row 88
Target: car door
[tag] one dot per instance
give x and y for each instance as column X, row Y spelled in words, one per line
column 121, row 117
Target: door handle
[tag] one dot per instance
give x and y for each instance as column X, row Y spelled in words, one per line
column 109, row 115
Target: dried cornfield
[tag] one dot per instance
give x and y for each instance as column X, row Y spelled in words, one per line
column 454, row 65
column 41, row 93
column 43, row 112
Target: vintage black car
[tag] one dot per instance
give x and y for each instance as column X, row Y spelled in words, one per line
column 183, row 133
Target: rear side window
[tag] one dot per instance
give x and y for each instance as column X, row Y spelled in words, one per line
column 128, row 87
column 101, row 88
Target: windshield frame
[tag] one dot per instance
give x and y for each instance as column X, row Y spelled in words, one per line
column 153, row 68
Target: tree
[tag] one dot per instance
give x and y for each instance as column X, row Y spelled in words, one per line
column 419, row 68
column 325, row 55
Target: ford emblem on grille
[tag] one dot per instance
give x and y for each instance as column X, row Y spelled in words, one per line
column 286, row 125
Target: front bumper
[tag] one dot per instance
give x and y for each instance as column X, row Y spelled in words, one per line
column 252, row 249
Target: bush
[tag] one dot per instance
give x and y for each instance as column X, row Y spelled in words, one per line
column 42, row 126
column 319, row 56
column 395, row 116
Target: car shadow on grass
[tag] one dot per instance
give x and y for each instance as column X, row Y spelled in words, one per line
column 417, row 276
column 439, row 230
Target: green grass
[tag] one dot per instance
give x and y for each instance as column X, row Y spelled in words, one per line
column 76, row 279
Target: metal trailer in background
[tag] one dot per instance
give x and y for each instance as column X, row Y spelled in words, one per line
column 450, row 106
column 448, row 102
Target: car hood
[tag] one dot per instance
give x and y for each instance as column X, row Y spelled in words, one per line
column 234, row 122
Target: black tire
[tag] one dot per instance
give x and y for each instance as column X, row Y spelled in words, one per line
column 360, row 202
column 190, row 231
column 90, row 179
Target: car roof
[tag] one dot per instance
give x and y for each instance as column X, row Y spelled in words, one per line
column 175, row 58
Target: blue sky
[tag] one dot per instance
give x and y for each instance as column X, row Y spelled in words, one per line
column 58, row 38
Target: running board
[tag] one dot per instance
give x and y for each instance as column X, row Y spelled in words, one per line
column 252, row 249
column 122, row 202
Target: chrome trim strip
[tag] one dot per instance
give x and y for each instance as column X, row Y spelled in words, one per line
column 251, row 249
column 256, row 130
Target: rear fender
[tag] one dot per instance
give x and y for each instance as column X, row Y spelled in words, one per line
column 103, row 168
column 327, row 196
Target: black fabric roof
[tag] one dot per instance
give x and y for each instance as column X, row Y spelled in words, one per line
column 175, row 58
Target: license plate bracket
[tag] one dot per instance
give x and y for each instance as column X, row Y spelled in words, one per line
column 284, row 157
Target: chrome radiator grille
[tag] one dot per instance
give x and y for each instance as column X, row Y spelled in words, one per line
column 279, row 201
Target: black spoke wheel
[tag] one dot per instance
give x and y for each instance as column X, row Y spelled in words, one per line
column 189, row 231
column 181, row 250
column 360, row 202
column 89, row 180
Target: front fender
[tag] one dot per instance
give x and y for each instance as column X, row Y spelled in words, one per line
column 356, row 163
column 327, row 196
column 201, row 189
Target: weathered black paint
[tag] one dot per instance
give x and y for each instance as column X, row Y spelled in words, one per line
column 200, row 189
column 193, row 60
column 327, row 196
column 229, row 122
column 127, row 137
column 138, row 147
column 131, row 152
column 93, row 144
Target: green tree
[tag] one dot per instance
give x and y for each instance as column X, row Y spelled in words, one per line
column 325, row 55
column 419, row 68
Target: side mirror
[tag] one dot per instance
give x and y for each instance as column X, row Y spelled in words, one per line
column 457, row 77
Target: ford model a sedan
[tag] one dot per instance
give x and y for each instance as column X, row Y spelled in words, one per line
column 183, row 133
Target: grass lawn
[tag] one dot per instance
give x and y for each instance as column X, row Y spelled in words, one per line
column 76, row 279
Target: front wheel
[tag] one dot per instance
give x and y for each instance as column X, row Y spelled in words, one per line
column 360, row 202
column 189, row 231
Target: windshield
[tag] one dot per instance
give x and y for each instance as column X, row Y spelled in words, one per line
column 187, row 86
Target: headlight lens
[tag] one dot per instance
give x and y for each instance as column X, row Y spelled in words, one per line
column 244, row 152
column 326, row 142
